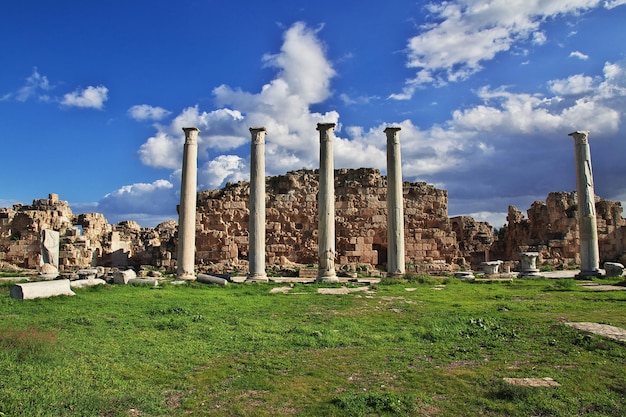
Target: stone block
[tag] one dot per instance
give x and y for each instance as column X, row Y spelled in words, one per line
column 613, row 269
column 122, row 277
column 43, row 289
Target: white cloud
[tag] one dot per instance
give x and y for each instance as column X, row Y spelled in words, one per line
column 35, row 85
column 466, row 33
column 282, row 106
column 579, row 55
column 147, row 203
column 90, row 97
column 574, row 85
column 146, row 112
column 224, row 168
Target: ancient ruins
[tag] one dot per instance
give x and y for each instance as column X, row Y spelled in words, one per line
column 362, row 221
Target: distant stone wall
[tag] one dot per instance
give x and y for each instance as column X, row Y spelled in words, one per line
column 552, row 230
column 85, row 239
column 361, row 222
column 433, row 242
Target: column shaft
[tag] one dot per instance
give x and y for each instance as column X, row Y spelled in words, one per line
column 395, row 204
column 256, row 234
column 326, row 205
column 187, row 207
column 589, row 251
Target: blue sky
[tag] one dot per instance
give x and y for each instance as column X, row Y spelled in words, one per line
column 93, row 96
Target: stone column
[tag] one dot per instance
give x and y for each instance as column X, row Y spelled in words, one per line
column 256, row 234
column 326, row 206
column 187, row 207
column 395, row 205
column 589, row 251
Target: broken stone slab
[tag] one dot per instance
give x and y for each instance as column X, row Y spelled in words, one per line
column 80, row 283
column 211, row 279
column 464, row 275
column 87, row 273
column 143, row 281
column 613, row 269
column 42, row 289
column 612, row 332
column 532, row 382
column 122, row 277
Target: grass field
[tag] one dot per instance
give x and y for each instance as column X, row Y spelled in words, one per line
column 423, row 347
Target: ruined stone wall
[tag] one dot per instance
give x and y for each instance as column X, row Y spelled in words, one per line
column 85, row 239
column 360, row 222
column 552, row 230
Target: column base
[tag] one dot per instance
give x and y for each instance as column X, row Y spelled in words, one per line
column 585, row 274
column 530, row 274
column 327, row 278
column 186, row 277
column 395, row 274
column 257, row 278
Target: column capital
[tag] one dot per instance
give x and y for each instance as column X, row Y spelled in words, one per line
column 258, row 135
column 392, row 129
column 326, row 126
column 580, row 135
column 191, row 135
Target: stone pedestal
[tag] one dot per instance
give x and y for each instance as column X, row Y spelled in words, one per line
column 528, row 268
column 326, row 206
column 490, row 267
column 589, row 251
column 256, row 238
column 395, row 205
column 187, row 207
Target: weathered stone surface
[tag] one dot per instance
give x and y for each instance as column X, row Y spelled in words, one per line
column 360, row 222
column 211, row 279
column 86, row 240
column 122, row 277
column 87, row 282
column 43, row 289
column 613, row 269
column 143, row 281
column 552, row 230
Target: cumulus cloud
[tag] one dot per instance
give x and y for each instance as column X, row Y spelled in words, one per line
column 224, row 168
column 146, row 112
column 148, row 203
column 90, row 97
column 282, row 106
column 466, row 33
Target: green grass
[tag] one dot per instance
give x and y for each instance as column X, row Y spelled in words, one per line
column 204, row 350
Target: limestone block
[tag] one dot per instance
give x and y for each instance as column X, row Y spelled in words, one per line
column 80, row 283
column 122, row 277
column 613, row 269
column 43, row 289
column 48, row 272
column 143, row 281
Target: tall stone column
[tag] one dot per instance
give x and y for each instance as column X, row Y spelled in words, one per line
column 326, row 206
column 589, row 251
column 187, row 207
column 395, row 205
column 256, row 234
